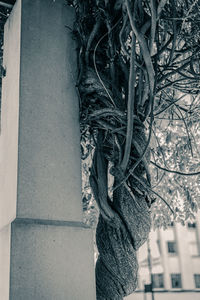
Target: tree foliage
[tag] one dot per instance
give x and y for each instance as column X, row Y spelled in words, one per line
column 176, row 148
column 4, row 13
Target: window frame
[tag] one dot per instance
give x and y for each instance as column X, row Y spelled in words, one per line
column 197, row 282
column 191, row 225
column 158, row 278
column 178, row 278
column 174, row 247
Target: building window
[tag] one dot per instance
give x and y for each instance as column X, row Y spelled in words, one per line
column 191, row 225
column 158, row 281
column 197, row 280
column 171, row 247
column 176, row 281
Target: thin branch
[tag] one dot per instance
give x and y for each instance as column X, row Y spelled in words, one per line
column 144, row 48
column 164, row 47
column 119, row 148
column 153, row 154
column 130, row 108
column 112, row 52
column 121, row 34
column 173, row 84
column 153, row 25
column 90, row 40
column 186, row 127
column 175, row 172
column 6, row 5
column 161, row 150
column 175, row 70
column 95, row 65
column 149, row 189
column 165, row 108
column 161, row 6
column 2, row 14
column 159, row 180
column 191, row 7
column 174, row 34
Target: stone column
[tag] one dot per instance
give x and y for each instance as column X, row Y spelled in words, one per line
column 46, row 251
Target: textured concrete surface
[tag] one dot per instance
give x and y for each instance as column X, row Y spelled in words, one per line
column 57, row 264
column 9, row 119
column 49, row 177
column 43, row 91
column 4, row 262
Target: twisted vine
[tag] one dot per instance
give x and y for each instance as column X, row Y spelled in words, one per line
column 130, row 53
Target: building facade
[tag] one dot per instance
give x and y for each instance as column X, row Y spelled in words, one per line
column 172, row 259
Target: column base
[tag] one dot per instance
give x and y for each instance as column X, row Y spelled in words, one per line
column 50, row 260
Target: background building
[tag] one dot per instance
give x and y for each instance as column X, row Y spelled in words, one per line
column 173, row 258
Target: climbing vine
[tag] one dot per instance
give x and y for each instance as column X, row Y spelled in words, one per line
column 137, row 61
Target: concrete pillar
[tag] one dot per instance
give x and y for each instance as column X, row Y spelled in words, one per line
column 46, row 251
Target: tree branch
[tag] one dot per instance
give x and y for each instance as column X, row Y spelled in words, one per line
column 149, row 189
column 153, row 25
column 175, row 172
column 144, row 48
column 6, row 5
column 130, row 108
